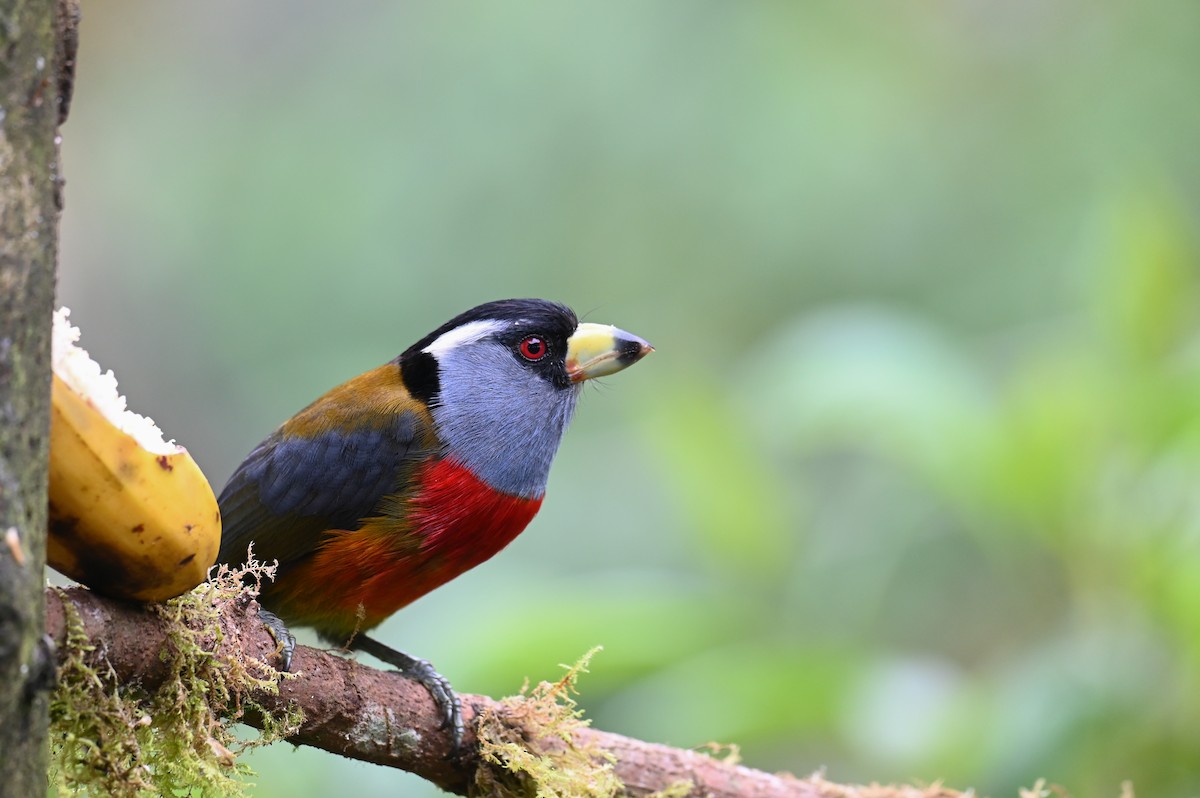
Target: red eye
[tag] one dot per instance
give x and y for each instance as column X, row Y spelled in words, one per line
column 532, row 348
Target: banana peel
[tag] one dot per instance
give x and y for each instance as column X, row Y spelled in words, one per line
column 131, row 516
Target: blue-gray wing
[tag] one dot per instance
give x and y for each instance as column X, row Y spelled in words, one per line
column 291, row 489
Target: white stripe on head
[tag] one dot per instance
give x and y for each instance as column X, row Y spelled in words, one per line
column 466, row 334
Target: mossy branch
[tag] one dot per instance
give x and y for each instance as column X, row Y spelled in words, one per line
column 376, row 716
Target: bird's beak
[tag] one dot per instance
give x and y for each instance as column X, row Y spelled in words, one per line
column 596, row 350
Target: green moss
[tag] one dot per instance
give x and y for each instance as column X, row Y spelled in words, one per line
column 679, row 789
column 528, row 747
column 120, row 740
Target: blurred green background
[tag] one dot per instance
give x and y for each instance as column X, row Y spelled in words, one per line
column 908, row 491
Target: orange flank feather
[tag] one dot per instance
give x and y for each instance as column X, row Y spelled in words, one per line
column 356, row 579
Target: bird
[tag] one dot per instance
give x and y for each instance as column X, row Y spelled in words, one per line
column 403, row 478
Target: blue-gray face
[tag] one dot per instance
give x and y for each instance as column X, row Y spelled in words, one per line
column 503, row 400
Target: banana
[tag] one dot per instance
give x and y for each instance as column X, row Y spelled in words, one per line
column 131, row 516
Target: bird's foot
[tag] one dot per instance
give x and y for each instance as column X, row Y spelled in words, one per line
column 443, row 695
column 284, row 639
column 421, row 672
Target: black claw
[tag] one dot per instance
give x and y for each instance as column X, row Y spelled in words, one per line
column 443, row 694
column 421, row 672
column 283, row 638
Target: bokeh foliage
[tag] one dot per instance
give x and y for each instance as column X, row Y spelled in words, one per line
column 908, row 490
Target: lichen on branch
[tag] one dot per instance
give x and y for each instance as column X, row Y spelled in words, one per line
column 528, row 745
column 120, row 739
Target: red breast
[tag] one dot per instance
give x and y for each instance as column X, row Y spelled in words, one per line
column 354, row 580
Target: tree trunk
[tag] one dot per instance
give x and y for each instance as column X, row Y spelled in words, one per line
column 36, row 60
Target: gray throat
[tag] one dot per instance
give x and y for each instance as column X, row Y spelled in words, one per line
column 503, row 422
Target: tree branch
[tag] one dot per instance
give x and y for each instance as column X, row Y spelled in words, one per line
column 380, row 717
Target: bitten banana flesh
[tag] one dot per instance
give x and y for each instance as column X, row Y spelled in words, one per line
column 131, row 516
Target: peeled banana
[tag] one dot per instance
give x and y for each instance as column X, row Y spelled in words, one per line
column 131, row 516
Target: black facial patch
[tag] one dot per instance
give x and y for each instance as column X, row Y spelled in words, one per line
column 420, row 374
column 552, row 365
